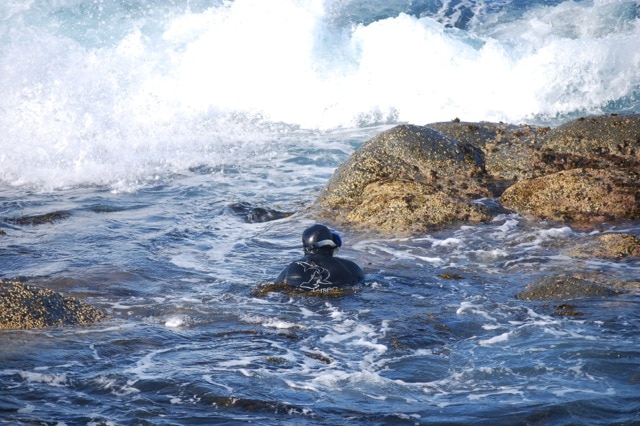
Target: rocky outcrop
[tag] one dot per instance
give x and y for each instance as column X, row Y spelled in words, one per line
column 405, row 180
column 413, row 178
column 24, row 307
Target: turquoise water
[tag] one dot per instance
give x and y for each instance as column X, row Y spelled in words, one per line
column 147, row 121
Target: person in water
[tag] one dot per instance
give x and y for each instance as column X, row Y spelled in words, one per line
column 319, row 270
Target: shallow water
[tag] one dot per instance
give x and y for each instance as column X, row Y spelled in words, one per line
column 145, row 123
column 435, row 335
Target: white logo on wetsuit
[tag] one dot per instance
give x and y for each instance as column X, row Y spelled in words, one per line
column 319, row 276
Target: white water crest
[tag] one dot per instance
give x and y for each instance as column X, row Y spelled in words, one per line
column 112, row 93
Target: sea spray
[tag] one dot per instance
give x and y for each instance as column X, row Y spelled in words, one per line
column 119, row 94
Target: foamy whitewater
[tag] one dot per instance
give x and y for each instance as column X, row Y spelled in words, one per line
column 148, row 121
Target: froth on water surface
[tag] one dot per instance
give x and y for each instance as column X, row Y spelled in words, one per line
column 436, row 332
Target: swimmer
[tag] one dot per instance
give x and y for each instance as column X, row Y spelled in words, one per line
column 318, row 270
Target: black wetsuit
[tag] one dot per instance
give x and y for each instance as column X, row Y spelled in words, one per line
column 321, row 272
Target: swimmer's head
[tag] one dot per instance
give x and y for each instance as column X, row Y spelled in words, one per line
column 318, row 238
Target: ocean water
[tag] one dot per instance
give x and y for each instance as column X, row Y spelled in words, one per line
column 150, row 122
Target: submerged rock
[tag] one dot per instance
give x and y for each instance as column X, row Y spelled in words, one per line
column 581, row 197
column 40, row 218
column 252, row 214
column 26, row 307
column 405, row 180
column 564, row 288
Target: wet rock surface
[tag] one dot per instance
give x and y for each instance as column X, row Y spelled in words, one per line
column 405, row 180
column 607, row 246
column 410, row 179
column 249, row 213
column 511, row 153
column 581, row 197
column 598, row 141
column 24, row 306
column 560, row 287
column 40, row 219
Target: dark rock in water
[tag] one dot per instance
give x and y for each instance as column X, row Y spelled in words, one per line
column 248, row 405
column 599, row 142
column 41, row 218
column 251, row 214
column 26, row 307
column 566, row 310
column 607, row 246
column 581, row 197
column 564, row 288
column 405, row 180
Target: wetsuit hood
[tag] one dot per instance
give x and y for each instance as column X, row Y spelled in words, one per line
column 318, row 239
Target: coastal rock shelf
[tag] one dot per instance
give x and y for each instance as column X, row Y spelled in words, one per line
column 412, row 179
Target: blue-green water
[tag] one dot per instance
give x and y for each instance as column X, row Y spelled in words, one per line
column 147, row 121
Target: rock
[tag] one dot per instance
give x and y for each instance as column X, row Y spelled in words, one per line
column 404, row 207
column 41, row 218
column 252, row 214
column 26, row 307
column 512, row 153
column 608, row 246
column 566, row 310
column 405, row 180
column 555, row 287
column 581, row 197
column 479, row 134
column 599, row 142
column 411, row 179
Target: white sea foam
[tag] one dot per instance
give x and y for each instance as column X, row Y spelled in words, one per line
column 279, row 324
column 240, row 362
column 447, row 242
column 506, row 391
column 501, row 338
column 175, row 322
column 50, row 379
column 141, row 98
